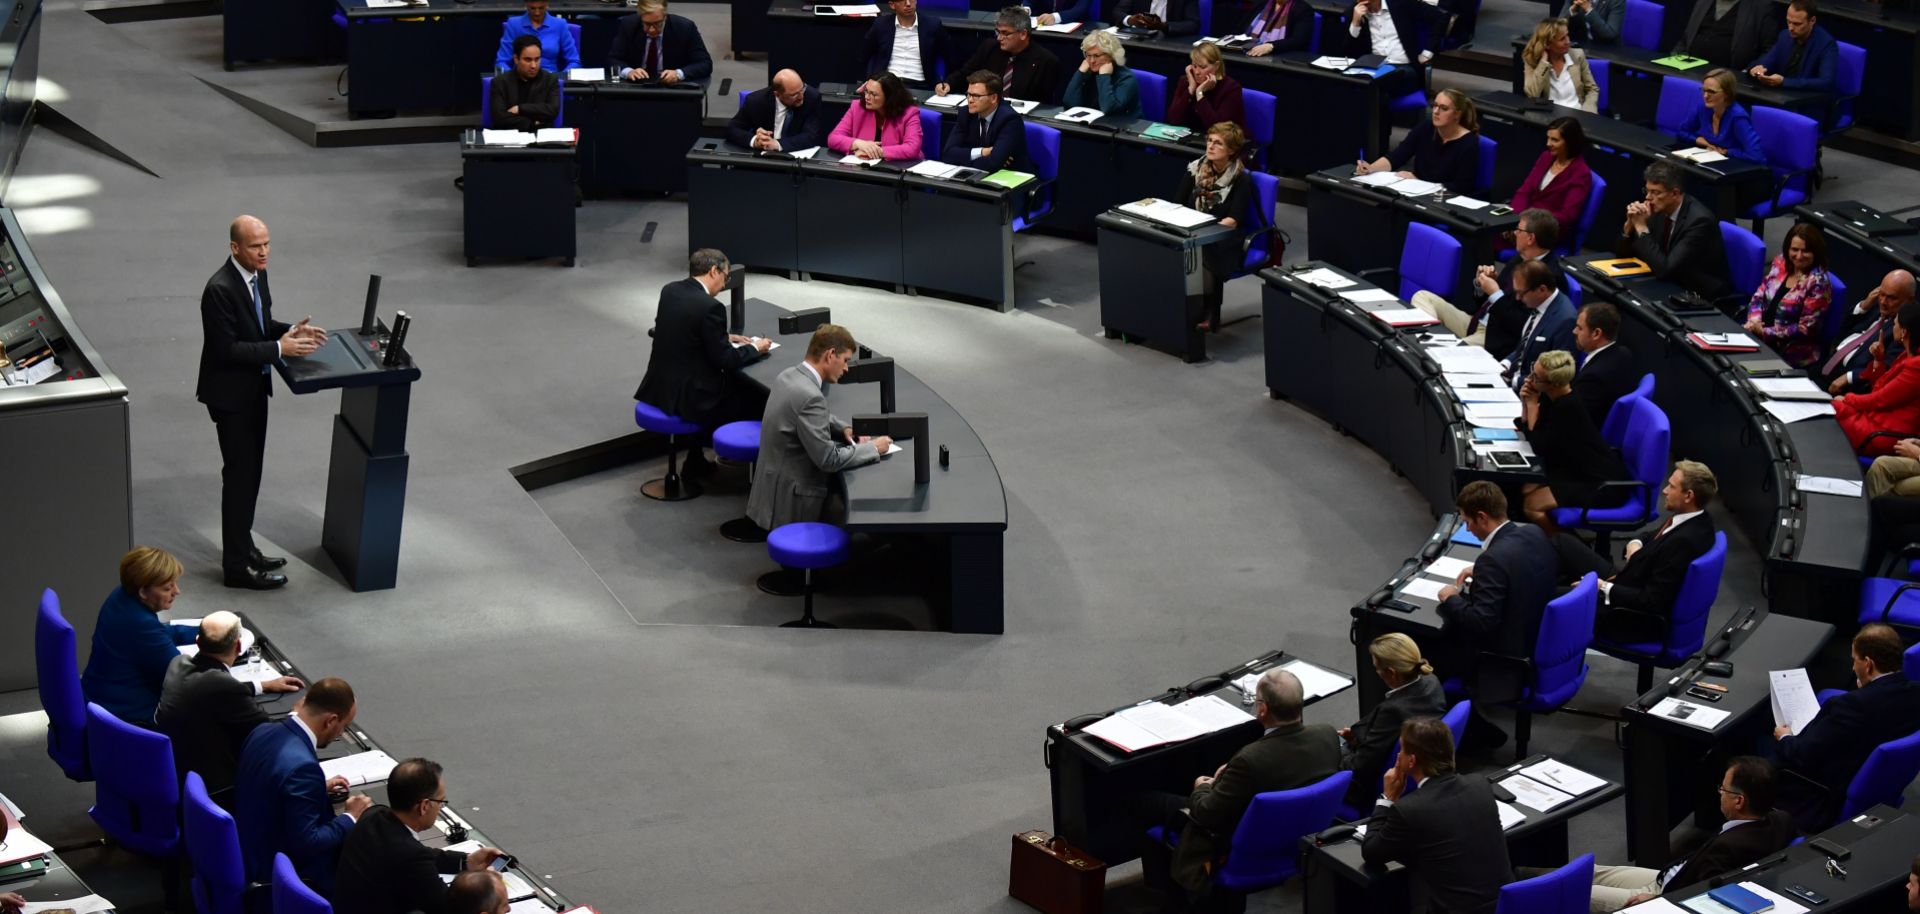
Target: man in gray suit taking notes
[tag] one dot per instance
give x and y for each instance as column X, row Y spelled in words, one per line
column 801, row 443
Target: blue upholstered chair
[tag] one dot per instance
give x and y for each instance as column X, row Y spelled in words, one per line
column 58, row 668
column 1313, row 39
column 1265, row 850
column 671, row 487
column 290, row 895
column 1206, row 17
column 486, row 104
column 1043, row 147
column 806, row 546
column 1261, row 109
column 1838, row 310
column 1563, row 891
column 739, row 442
column 1892, row 601
column 213, row 845
column 1259, row 241
column 1645, row 452
column 1850, row 77
column 1746, row 258
column 1456, row 721
column 1686, row 624
column 1429, row 260
column 1577, row 239
column 1574, row 292
column 1489, row 150
column 1679, row 98
column 1884, row 777
column 1641, row 25
column 930, row 133
column 1559, row 665
column 1614, row 430
column 1153, row 95
column 136, row 797
column 1791, row 143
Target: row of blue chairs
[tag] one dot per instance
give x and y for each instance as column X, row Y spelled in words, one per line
column 138, row 796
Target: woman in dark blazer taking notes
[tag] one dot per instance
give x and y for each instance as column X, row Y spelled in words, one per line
column 1444, row 148
column 1217, row 184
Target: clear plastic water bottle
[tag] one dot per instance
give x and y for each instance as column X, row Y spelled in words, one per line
column 254, row 662
column 1246, row 697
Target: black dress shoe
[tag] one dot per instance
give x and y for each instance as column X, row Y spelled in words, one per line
column 697, row 467
column 259, row 561
column 254, row 579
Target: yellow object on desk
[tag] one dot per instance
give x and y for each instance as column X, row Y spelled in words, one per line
column 1625, row 266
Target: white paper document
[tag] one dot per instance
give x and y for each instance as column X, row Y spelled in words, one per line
column 1484, row 395
column 771, row 344
column 1790, row 389
column 359, row 768
column 1021, row 105
column 1466, row 360
column 1468, row 203
column 1324, row 278
column 1414, row 187
column 563, row 135
column 1361, row 296
column 1213, row 712
column 21, row 844
column 854, row 159
column 1061, row 27
column 1796, row 410
column 1563, row 777
column 1728, row 339
column 950, row 100
column 1827, row 485
column 806, row 153
column 264, row 671
column 1534, row 795
column 506, row 138
column 1145, row 726
column 517, row 885
column 1333, row 63
column 586, row 75
column 1377, row 179
column 1168, row 212
column 932, row 168
column 1509, row 817
column 1425, row 588
column 1316, row 681
column 1688, row 713
column 1699, row 155
column 1446, row 567
column 857, row 9
column 1404, row 317
column 1794, row 704
column 1657, row 906
column 85, row 904
column 1080, row 114
column 529, row 906
column 1491, row 410
column 893, row 447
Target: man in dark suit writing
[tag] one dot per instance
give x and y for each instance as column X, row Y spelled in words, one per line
column 1495, row 605
column 283, row 801
column 1831, row 748
column 206, row 712
column 1636, row 600
column 1447, row 832
column 802, row 444
column 691, row 371
column 654, row 44
column 1607, row 372
column 383, row 868
column 990, row 135
column 783, row 117
column 1676, row 235
column 240, row 340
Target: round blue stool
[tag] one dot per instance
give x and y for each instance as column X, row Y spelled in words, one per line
column 740, row 443
column 670, row 487
column 806, row 546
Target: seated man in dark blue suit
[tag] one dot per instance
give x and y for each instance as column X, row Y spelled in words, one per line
column 1494, row 606
column 283, row 802
column 1830, row 749
column 783, row 117
column 1803, row 57
column 1550, row 318
column 989, row 135
column 656, row 45
column 909, row 44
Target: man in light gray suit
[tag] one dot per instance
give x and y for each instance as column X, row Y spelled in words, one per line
column 801, row 443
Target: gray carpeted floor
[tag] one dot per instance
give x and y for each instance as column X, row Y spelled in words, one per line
column 595, row 669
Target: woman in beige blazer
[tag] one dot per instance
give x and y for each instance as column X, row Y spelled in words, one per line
column 1556, row 70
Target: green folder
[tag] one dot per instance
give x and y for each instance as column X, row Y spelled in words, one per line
column 1008, row 178
column 1681, row 62
column 1161, row 131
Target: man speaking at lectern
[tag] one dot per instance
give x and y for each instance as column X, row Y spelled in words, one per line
column 240, row 341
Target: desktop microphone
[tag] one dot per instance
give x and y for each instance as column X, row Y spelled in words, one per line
column 456, row 832
column 1205, row 684
column 1340, row 832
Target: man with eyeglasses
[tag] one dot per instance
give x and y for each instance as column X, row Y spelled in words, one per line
column 783, row 117
column 1753, row 829
column 1497, row 318
column 988, row 135
column 1027, row 70
column 1676, row 235
column 383, row 868
column 653, row 44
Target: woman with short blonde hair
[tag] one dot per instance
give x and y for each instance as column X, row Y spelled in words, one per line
column 1103, row 81
column 131, row 645
column 1412, row 691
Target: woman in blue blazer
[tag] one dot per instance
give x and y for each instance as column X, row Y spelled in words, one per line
column 131, row 646
column 1721, row 124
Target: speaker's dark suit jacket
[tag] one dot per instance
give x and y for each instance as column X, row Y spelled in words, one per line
column 1006, row 133
column 1512, row 582
column 877, row 47
column 1650, row 581
column 1291, row 756
column 208, row 715
column 281, row 806
column 680, row 48
column 1833, row 746
column 1375, row 733
column 805, row 128
column 687, row 373
column 384, row 870
column 1694, row 257
column 1734, row 848
column 1448, row 833
column 1603, row 378
column 234, row 345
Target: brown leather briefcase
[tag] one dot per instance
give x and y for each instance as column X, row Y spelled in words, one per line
column 1055, row 877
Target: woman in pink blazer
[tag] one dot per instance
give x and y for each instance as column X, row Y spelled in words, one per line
column 885, row 125
column 1560, row 180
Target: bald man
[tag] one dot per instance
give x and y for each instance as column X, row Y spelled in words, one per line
column 482, row 892
column 1864, row 354
column 206, row 712
column 784, row 117
column 240, row 341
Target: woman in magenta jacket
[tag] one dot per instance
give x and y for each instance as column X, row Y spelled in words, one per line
column 1560, row 180
column 885, row 125
column 1894, row 403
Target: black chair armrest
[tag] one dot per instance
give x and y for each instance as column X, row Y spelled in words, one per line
column 1380, row 271
column 1042, row 189
column 1888, row 433
column 1823, row 790
column 1612, row 485
column 1501, row 678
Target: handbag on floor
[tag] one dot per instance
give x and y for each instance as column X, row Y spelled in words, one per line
column 1055, row 877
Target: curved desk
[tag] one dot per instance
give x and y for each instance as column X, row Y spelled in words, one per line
column 1814, row 545
column 961, row 512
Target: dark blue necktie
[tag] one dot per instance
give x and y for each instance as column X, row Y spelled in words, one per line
column 259, row 313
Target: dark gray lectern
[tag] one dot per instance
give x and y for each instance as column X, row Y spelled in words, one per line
column 367, row 472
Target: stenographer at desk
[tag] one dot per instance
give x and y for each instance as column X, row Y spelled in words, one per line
column 527, row 98
column 654, row 44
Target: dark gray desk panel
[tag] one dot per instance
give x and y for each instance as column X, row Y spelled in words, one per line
column 518, row 202
column 1152, row 281
column 958, row 238
column 744, row 205
column 849, row 218
column 634, row 138
column 1857, row 258
column 1881, row 842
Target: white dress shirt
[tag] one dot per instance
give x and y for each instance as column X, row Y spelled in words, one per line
column 1560, row 88
column 248, row 277
column 906, row 51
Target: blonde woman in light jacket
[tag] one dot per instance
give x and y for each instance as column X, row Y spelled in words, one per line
column 1556, row 70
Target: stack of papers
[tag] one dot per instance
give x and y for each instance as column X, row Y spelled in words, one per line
column 1333, row 63
column 584, row 75
column 1723, row 342
column 1532, row 794
column 1022, row 106
column 1467, row 203
column 934, row 169
column 1563, row 777
column 1686, row 712
column 1466, row 360
column 1827, row 485
column 1404, row 317
column 506, row 138
column 1791, row 696
column 1166, row 212
column 359, row 768
column 1790, row 389
column 1414, row 187
column 1377, row 178
column 1493, row 415
column 1796, row 410
column 854, row 159
column 1699, row 155
column 557, row 136
column 1362, row 296
column 1424, row 588
column 1446, row 567
column 1324, row 278
column 1316, row 681
column 951, row 100
column 22, row 845
column 1155, row 724
column 1080, row 115
column 1061, row 27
